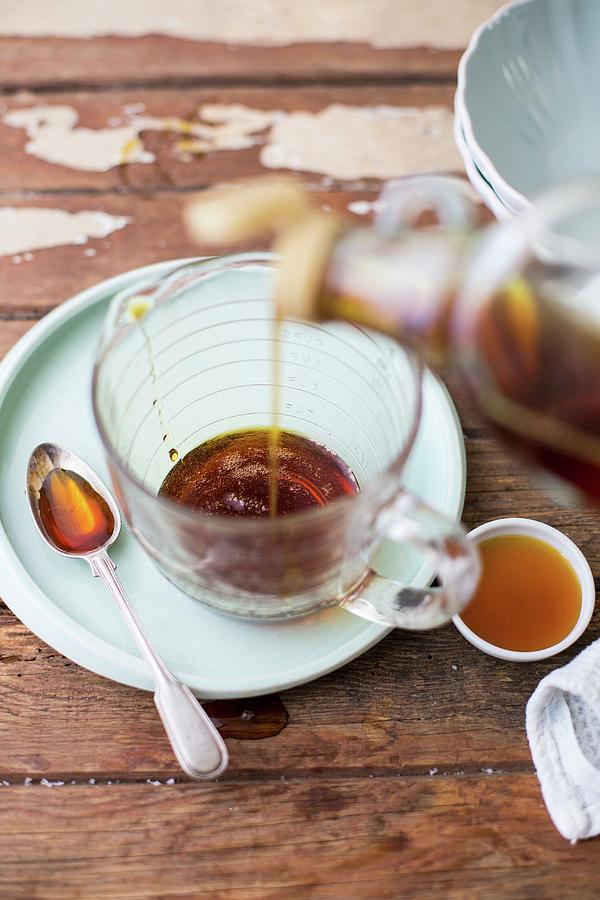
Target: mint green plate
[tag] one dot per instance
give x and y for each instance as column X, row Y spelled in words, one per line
column 45, row 396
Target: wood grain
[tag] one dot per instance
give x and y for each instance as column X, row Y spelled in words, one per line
column 33, row 286
column 29, row 287
column 19, row 169
column 11, row 331
column 49, row 62
column 412, row 704
column 364, row 838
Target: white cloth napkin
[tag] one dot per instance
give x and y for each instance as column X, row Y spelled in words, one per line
column 563, row 727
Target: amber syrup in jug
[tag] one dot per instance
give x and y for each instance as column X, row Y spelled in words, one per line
column 230, row 475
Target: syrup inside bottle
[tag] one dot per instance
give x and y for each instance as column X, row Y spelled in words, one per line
column 75, row 516
column 518, row 319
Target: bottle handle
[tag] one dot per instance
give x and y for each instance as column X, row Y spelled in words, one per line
column 411, row 521
column 403, row 200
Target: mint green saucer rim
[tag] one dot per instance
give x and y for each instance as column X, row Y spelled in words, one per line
column 35, row 609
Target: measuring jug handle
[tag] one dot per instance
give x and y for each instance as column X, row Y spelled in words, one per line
column 455, row 560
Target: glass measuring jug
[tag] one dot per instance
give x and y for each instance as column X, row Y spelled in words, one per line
column 189, row 356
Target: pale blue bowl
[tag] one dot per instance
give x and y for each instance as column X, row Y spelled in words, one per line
column 477, row 179
column 528, row 96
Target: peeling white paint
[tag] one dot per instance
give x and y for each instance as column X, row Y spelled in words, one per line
column 339, row 142
column 352, row 142
column 33, row 228
column 233, row 126
column 55, row 137
column 382, row 23
column 364, row 207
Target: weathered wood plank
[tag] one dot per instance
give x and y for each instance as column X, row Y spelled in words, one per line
column 44, row 62
column 32, row 286
column 10, row 332
column 365, row 838
column 19, row 170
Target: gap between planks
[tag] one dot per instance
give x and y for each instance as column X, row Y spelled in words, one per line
column 282, row 82
column 23, row 314
column 252, row 776
column 373, row 186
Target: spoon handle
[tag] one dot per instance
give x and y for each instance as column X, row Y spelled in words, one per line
column 198, row 746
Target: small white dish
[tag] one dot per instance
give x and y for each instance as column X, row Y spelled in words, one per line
column 570, row 551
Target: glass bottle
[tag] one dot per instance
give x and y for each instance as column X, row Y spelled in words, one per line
column 515, row 307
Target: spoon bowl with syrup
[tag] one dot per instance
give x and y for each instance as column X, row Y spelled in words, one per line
column 78, row 518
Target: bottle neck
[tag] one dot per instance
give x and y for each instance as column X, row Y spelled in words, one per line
column 404, row 286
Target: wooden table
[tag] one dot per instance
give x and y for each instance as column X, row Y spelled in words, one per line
column 407, row 773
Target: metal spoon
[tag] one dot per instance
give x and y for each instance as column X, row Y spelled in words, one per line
column 198, row 746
